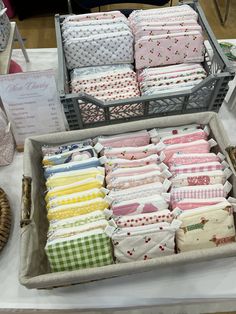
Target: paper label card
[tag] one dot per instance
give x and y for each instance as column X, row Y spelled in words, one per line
column 32, row 104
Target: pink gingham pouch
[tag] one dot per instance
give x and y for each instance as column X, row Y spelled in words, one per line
column 199, row 192
column 202, row 167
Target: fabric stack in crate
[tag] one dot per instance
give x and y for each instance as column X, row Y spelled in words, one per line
column 199, row 187
column 137, row 181
column 75, row 202
column 166, row 36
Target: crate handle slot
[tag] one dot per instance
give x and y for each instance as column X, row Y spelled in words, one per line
column 26, row 201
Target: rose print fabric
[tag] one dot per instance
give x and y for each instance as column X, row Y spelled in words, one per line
column 206, row 227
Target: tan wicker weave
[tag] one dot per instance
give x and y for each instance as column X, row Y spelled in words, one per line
column 5, row 219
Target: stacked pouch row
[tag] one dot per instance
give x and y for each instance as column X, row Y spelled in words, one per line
column 137, row 181
column 75, row 202
column 171, row 78
column 108, row 82
column 166, row 36
column 199, row 187
column 97, row 39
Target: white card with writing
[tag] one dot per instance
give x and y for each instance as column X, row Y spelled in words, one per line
column 32, row 104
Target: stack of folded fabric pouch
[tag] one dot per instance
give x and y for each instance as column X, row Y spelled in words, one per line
column 75, row 201
column 97, row 39
column 199, row 187
column 137, row 180
column 171, row 78
column 166, row 36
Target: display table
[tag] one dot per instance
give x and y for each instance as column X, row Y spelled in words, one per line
column 205, row 287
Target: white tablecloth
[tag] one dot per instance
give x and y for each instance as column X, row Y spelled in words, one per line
column 205, row 284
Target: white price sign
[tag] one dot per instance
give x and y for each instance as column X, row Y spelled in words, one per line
column 32, row 104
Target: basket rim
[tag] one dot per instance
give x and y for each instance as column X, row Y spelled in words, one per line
column 5, row 219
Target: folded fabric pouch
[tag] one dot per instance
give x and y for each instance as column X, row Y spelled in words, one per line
column 71, row 231
column 113, row 163
column 144, row 219
column 87, row 72
column 199, row 146
column 168, row 49
column 77, row 197
column 144, row 242
column 200, row 178
column 192, row 168
column 130, row 153
column 74, row 155
column 99, row 49
column 88, row 249
column 75, row 187
column 68, row 177
column 67, row 25
column 87, row 30
column 145, row 190
column 158, row 133
column 200, row 192
column 94, row 16
column 155, row 30
column 48, row 150
column 132, row 139
column 132, row 181
column 73, row 165
column 190, row 159
column 206, row 227
column 139, row 206
column 75, row 221
column 185, row 137
column 123, row 172
column 175, row 13
column 76, row 209
column 191, row 203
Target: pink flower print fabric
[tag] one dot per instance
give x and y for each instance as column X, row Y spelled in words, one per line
column 168, row 49
column 187, row 204
column 94, row 16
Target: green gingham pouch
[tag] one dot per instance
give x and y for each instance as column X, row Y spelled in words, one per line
column 88, row 249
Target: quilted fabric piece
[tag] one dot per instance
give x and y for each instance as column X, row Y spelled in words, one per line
column 99, row 49
column 144, row 242
column 206, row 227
column 5, row 27
column 87, row 250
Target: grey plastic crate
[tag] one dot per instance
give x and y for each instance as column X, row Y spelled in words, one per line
column 84, row 111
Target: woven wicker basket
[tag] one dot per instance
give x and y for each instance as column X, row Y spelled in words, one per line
column 5, row 219
column 232, row 155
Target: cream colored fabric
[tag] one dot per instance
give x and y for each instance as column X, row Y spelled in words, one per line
column 206, row 227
